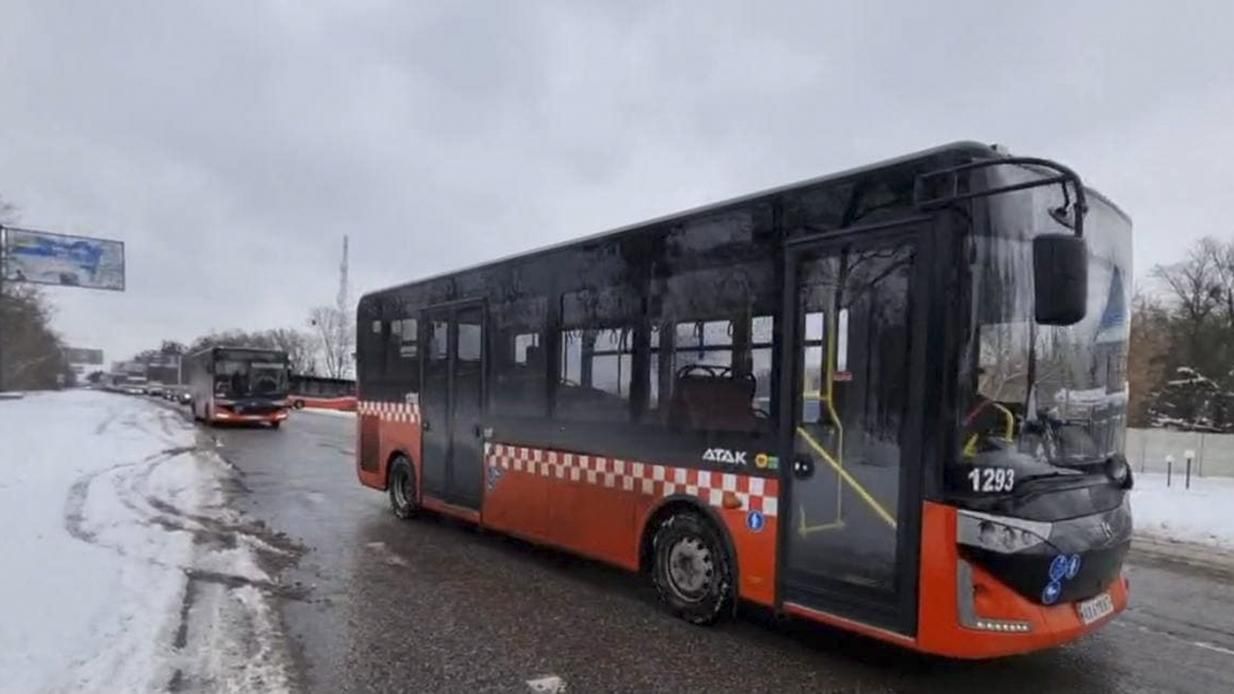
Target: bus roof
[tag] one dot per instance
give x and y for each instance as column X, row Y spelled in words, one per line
column 961, row 147
column 969, row 147
column 212, row 348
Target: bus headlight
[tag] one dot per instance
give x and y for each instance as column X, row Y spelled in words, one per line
column 1000, row 534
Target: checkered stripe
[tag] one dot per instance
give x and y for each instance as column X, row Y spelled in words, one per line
column 755, row 493
column 390, row 411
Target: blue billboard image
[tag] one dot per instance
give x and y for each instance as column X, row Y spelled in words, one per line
column 75, row 261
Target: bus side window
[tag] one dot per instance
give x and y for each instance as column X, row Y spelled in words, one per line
column 596, row 374
column 711, row 351
column 596, row 343
column 519, row 361
column 719, row 375
column 401, row 352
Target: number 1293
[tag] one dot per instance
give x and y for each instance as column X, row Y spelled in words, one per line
column 992, row 479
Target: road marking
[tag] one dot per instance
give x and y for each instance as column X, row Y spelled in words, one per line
column 1175, row 637
column 1212, row 647
column 547, row 684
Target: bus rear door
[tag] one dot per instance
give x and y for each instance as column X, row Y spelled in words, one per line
column 857, row 307
column 451, row 402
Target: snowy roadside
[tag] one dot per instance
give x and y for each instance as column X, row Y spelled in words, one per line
column 325, row 411
column 124, row 569
column 1202, row 515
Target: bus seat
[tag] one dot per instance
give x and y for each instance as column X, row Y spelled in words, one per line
column 713, row 403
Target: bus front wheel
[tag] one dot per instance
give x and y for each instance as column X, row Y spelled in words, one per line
column 692, row 570
column 402, row 488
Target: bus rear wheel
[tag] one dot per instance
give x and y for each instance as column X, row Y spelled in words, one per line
column 402, row 488
column 692, row 571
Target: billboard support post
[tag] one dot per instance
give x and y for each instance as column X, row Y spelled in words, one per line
column 3, row 254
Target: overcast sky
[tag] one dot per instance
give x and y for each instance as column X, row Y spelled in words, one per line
column 232, row 149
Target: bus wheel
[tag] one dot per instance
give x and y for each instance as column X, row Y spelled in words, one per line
column 402, row 488
column 299, row 404
column 692, row 570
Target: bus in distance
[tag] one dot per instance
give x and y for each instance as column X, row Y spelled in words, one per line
column 238, row 385
column 322, row 392
column 890, row 400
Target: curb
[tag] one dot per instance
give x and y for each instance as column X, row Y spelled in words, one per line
column 1148, row 548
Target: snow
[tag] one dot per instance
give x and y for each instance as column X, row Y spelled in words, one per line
column 110, row 514
column 326, row 411
column 1203, row 514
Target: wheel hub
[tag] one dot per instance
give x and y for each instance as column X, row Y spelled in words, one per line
column 689, row 569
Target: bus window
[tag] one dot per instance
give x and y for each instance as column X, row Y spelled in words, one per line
column 519, row 360
column 596, row 374
column 716, row 375
column 400, row 351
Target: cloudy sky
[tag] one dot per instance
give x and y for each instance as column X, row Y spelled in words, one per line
column 232, row 145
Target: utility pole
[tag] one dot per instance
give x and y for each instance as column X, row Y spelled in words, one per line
column 340, row 337
column 4, row 252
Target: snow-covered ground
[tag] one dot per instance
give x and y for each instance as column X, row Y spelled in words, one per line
column 123, row 569
column 325, row 411
column 1203, row 514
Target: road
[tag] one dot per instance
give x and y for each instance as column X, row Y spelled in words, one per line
column 431, row 605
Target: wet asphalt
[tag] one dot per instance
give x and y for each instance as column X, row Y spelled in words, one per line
column 430, row 605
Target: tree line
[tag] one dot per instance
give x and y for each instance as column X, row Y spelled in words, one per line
column 324, row 349
column 1181, row 363
column 31, row 353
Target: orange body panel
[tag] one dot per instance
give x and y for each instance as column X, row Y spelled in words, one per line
column 600, row 508
column 939, row 630
column 395, row 434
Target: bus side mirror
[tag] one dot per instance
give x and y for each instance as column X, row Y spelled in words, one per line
column 1060, row 278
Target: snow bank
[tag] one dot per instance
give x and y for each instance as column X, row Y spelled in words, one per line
column 1203, row 514
column 326, row 411
column 120, row 555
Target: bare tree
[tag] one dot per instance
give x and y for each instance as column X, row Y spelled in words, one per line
column 301, row 348
column 33, row 355
column 1194, row 286
column 335, row 334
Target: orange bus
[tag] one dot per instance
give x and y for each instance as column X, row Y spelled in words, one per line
column 891, row 400
column 239, row 385
column 323, row 393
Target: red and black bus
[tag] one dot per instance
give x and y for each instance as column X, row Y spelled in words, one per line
column 890, row 400
column 238, row 385
column 322, row 393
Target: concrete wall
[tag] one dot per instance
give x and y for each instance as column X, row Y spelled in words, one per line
column 1214, row 453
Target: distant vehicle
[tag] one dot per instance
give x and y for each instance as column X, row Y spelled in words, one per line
column 322, row 392
column 238, row 384
column 813, row 398
column 154, row 388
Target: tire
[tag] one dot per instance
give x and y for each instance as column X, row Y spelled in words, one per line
column 275, row 425
column 299, row 404
column 402, row 488
column 691, row 568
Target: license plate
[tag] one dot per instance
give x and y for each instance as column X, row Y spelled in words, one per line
column 1096, row 608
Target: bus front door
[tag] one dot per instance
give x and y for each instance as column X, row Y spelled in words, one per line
column 856, row 352
column 451, row 402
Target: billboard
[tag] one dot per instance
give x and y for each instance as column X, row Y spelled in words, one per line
column 80, row 355
column 74, row 261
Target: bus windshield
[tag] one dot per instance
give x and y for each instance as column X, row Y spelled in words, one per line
column 250, row 377
column 1055, row 395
